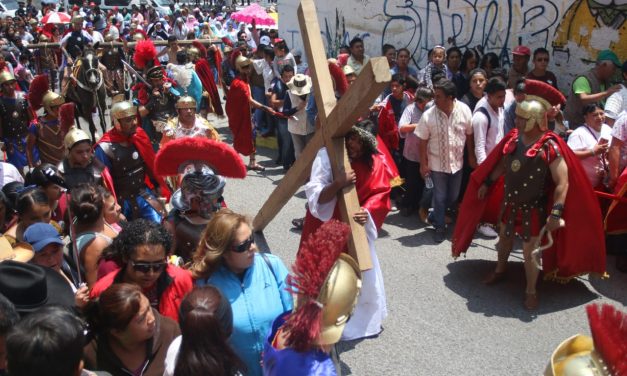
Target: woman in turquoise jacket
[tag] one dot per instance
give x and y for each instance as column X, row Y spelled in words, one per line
column 253, row 282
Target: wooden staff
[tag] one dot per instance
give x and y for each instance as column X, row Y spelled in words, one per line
column 128, row 44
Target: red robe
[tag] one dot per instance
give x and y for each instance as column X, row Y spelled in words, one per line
column 373, row 192
column 616, row 217
column 388, row 128
column 578, row 248
column 390, row 165
column 238, row 112
column 142, row 143
column 203, row 70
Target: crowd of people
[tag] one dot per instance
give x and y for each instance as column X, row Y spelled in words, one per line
column 119, row 254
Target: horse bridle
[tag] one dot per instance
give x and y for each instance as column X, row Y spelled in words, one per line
column 89, row 58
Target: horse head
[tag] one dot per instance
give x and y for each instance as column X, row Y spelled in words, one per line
column 91, row 73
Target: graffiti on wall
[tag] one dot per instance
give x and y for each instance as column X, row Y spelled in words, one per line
column 573, row 30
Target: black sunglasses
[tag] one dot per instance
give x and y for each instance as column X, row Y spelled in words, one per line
column 245, row 246
column 146, row 267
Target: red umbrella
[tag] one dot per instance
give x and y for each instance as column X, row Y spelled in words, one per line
column 56, row 18
column 254, row 12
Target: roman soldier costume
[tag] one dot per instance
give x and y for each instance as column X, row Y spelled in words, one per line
column 531, row 195
column 201, row 127
column 129, row 158
column 326, row 283
column 111, row 58
column 46, row 59
column 201, row 166
column 157, row 104
column 45, row 133
column 199, row 56
column 15, row 117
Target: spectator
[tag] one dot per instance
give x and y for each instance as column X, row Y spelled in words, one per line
column 357, row 59
column 470, row 61
column 520, row 65
column 590, row 143
column 437, row 59
column 254, row 283
column 96, row 36
column 402, row 64
column 618, row 150
column 8, row 174
column 301, row 66
column 131, row 337
column 478, row 79
column 277, row 99
column 8, row 319
column 282, row 57
column 141, row 250
column 591, row 87
column 32, row 206
column 390, row 54
column 453, row 64
column 411, row 151
column 489, row 62
column 443, row 131
column 48, row 342
column 392, row 108
column 203, row 348
column 617, row 102
column 294, row 108
column 510, row 109
column 47, row 177
column 539, row 72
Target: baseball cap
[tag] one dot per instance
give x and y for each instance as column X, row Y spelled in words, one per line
column 39, row 235
column 608, row 55
column 265, row 40
column 89, row 24
column 522, row 50
column 297, row 53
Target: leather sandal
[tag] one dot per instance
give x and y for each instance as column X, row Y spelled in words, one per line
column 255, row 167
column 531, row 301
column 494, row 277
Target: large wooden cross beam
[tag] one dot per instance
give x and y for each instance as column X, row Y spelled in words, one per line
column 336, row 119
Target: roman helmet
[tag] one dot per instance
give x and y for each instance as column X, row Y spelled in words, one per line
column 201, row 166
column 193, row 53
column 138, row 36
column 74, row 136
column 52, row 99
column 327, row 282
column 540, row 97
column 6, row 77
column 240, row 62
column 122, row 110
column 186, row 101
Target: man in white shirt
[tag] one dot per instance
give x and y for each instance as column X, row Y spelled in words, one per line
column 443, row 131
column 357, row 60
column 617, row 102
column 8, row 174
column 487, row 125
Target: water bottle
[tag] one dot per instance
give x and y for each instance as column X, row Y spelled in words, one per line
column 428, row 182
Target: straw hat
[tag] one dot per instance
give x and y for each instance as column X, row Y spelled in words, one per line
column 300, row 84
column 22, row 252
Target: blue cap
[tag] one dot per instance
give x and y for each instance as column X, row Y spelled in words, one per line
column 39, row 235
column 89, row 24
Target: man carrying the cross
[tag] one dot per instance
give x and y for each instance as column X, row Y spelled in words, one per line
column 373, row 190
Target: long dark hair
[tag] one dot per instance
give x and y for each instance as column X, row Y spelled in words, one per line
column 206, row 322
column 114, row 308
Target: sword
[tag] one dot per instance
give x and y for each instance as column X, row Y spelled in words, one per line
column 536, row 254
column 133, row 71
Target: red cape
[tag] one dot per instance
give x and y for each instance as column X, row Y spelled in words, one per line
column 373, row 192
column 579, row 247
column 388, row 128
column 238, row 112
column 141, row 141
column 203, row 70
column 390, row 165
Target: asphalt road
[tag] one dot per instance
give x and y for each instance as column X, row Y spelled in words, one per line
column 442, row 320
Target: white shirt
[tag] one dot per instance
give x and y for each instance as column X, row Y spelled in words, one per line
column 411, row 115
column 263, row 68
column 114, row 32
column 96, row 36
column 584, row 138
column 619, row 131
column 446, row 136
column 8, row 174
column 616, row 103
column 487, row 138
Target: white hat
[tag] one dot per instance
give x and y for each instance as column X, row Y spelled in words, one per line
column 300, row 84
column 265, row 40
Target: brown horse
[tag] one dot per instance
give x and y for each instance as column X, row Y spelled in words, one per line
column 89, row 92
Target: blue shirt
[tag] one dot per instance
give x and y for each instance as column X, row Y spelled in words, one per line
column 256, row 299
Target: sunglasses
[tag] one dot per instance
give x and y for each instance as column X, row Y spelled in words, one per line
column 245, row 246
column 146, row 267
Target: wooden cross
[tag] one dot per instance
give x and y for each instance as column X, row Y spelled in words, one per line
column 336, row 119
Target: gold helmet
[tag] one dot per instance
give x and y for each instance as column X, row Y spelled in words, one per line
column 138, row 36
column 74, row 136
column 539, row 98
column 43, row 38
column 193, row 53
column 338, row 297
column 123, row 109
column 576, row 357
column 6, row 77
column 241, row 62
column 77, row 19
column 186, row 102
column 52, row 99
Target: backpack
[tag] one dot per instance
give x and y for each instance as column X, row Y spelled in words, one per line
column 484, row 111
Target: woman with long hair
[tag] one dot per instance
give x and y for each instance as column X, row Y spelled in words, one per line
column 32, row 206
column 254, row 283
column 130, row 337
column 206, row 322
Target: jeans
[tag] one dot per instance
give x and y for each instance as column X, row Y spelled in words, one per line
column 259, row 115
column 445, row 191
column 286, row 145
column 413, row 184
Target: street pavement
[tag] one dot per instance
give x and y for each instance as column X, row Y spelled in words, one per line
column 441, row 319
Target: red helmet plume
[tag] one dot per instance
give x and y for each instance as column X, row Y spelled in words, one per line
column 544, row 90
column 202, row 49
column 38, row 88
column 341, row 84
column 609, row 333
column 145, row 54
column 66, row 116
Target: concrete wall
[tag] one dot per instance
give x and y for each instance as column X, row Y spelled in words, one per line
column 574, row 31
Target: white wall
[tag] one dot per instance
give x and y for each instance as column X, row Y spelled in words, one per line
column 574, row 31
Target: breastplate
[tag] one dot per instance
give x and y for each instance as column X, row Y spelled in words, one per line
column 525, row 177
column 74, row 176
column 50, row 142
column 164, row 107
column 111, row 59
column 14, row 117
column 128, row 170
